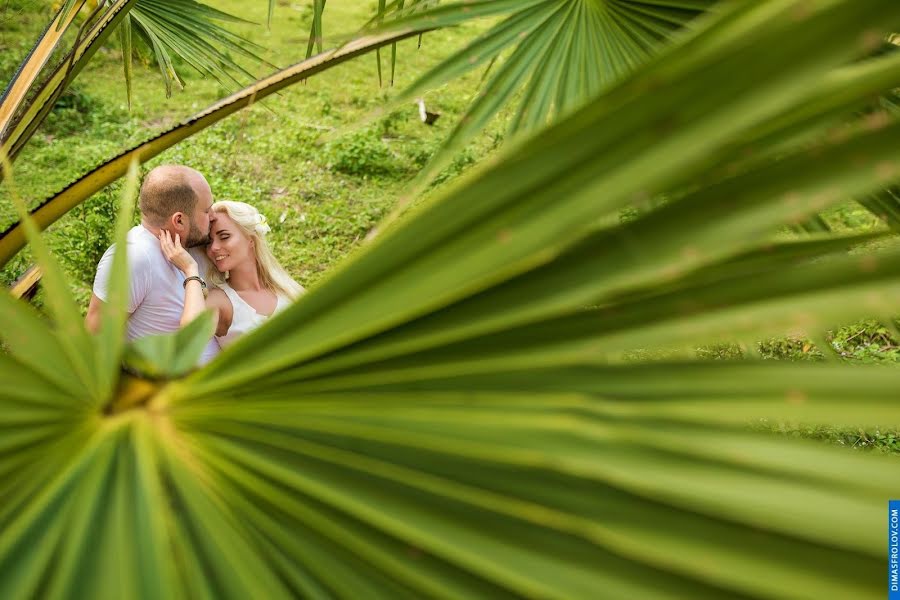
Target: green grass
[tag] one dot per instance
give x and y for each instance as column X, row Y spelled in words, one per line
column 873, row 439
column 309, row 158
column 301, row 157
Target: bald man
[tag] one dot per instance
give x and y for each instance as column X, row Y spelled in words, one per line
column 176, row 199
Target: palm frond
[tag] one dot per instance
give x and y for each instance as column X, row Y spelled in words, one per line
column 885, row 205
column 487, row 242
column 316, row 32
column 28, row 72
column 190, row 30
column 186, row 28
column 30, row 116
column 477, row 486
column 110, row 342
column 72, row 336
column 444, row 415
column 554, row 55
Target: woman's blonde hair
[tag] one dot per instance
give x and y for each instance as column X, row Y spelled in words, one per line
column 271, row 274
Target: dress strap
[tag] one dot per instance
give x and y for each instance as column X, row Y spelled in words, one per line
column 282, row 302
column 239, row 307
column 232, row 295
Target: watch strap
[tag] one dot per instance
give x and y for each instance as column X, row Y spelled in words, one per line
column 194, row 278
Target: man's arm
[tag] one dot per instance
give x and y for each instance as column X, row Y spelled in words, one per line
column 92, row 319
column 138, row 286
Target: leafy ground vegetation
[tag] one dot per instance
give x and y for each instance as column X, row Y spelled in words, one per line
column 301, row 157
column 314, row 160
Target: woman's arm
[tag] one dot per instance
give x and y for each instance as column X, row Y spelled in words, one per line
column 194, row 303
column 219, row 302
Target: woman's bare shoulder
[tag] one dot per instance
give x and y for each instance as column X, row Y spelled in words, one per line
column 217, row 297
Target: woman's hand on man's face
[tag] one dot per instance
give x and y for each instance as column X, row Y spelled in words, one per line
column 176, row 254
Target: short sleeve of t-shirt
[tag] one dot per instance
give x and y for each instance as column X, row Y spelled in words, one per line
column 139, row 269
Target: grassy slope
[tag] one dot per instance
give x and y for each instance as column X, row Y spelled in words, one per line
column 322, row 193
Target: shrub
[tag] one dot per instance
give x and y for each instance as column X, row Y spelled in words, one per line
column 789, row 348
column 867, row 341
column 77, row 110
column 361, row 153
column 87, row 233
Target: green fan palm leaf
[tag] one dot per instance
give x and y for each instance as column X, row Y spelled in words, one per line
column 556, row 54
column 477, row 458
column 30, row 116
column 73, row 337
column 698, row 229
column 190, row 30
column 448, row 414
column 620, row 144
column 17, row 89
column 886, row 206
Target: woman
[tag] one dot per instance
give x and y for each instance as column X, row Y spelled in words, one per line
column 251, row 285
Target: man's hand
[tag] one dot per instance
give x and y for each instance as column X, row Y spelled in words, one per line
column 177, row 255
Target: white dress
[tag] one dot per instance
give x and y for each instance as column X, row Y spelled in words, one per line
column 244, row 317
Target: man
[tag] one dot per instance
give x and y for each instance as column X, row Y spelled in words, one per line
column 172, row 198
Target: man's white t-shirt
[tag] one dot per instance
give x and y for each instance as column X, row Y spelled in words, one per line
column 157, row 288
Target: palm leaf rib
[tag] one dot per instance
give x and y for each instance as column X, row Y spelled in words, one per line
column 71, row 334
column 29, row 70
column 110, row 343
column 126, row 41
column 23, row 126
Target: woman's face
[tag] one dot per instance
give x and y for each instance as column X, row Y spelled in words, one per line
column 229, row 245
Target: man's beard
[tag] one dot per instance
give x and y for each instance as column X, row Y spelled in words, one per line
column 195, row 238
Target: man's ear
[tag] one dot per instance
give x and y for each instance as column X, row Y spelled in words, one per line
column 178, row 221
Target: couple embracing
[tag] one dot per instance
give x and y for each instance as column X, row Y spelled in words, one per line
column 190, row 254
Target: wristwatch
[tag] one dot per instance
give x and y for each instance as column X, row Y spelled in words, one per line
column 202, row 283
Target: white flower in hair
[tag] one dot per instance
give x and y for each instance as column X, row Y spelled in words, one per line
column 261, row 227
